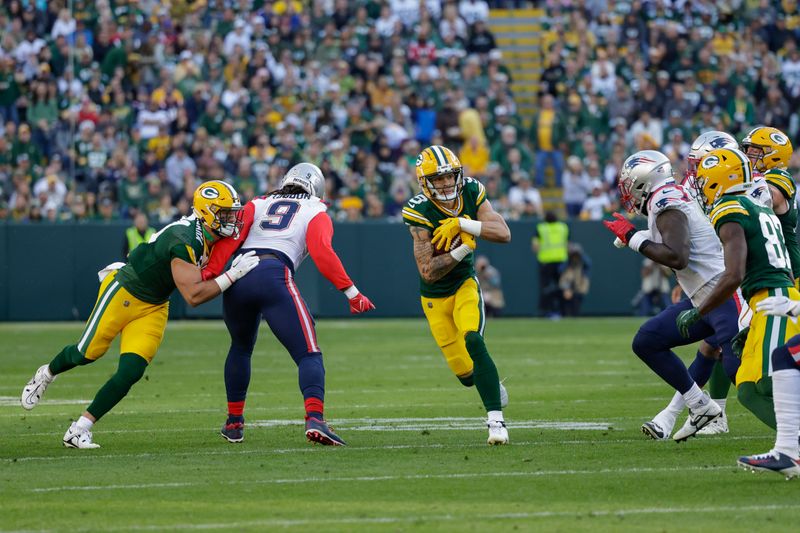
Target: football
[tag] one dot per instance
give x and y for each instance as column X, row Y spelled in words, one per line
column 455, row 243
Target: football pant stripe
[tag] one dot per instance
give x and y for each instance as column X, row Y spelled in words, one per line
column 481, row 307
column 302, row 313
column 94, row 318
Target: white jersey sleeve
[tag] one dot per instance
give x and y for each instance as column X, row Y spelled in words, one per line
column 706, row 261
column 280, row 222
column 759, row 192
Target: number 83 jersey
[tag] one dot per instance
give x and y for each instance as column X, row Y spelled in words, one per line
column 280, row 222
column 768, row 265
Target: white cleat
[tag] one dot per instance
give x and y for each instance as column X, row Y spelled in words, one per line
column 76, row 437
column 498, row 434
column 503, row 396
column 717, row 426
column 655, row 431
column 35, row 388
column 698, row 419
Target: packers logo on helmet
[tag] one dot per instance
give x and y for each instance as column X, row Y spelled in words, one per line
column 217, row 204
column 440, row 174
column 767, row 148
column 722, row 171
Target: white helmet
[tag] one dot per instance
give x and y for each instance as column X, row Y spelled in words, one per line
column 706, row 142
column 308, row 177
column 642, row 173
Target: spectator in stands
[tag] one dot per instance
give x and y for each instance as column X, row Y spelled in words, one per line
column 546, row 136
column 523, row 198
column 597, row 205
column 577, row 185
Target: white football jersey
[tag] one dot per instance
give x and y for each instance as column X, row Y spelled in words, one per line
column 280, row 222
column 759, row 191
column 706, row 260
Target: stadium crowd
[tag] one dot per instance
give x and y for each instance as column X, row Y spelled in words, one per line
column 119, row 106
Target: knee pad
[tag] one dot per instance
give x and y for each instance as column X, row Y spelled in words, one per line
column 131, row 369
column 645, row 342
column 474, row 343
column 745, row 392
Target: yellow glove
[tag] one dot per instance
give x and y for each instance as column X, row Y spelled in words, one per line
column 468, row 239
column 443, row 235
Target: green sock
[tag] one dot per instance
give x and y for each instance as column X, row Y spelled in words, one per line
column 485, row 373
column 719, row 383
column 753, row 397
column 131, row 369
column 68, row 358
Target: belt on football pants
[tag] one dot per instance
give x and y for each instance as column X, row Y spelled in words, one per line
column 268, row 256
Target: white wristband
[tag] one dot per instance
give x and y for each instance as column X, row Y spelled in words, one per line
column 638, row 238
column 461, row 252
column 473, row 227
column 618, row 243
column 351, row 292
column 224, row 281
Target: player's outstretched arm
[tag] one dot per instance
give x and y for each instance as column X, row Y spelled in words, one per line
column 189, row 278
column 431, row 268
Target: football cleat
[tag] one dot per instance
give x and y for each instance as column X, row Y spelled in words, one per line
column 498, row 434
column 698, row 419
column 772, row 461
column 318, row 431
column 76, row 437
column 503, row 396
column 716, row 427
column 34, row 390
column 233, row 431
column 654, row 430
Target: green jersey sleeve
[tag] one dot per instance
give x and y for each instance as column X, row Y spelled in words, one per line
column 414, row 212
column 728, row 210
column 782, row 180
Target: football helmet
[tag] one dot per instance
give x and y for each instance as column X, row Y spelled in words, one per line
column 434, row 164
column 308, row 177
column 706, row 142
column 642, row 173
column 767, row 148
column 722, row 171
column 217, row 204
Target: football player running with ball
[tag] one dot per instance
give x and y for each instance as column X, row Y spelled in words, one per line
column 282, row 229
column 133, row 302
column 445, row 220
column 678, row 236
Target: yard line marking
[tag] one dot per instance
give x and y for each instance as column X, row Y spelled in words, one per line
column 407, row 477
column 437, row 424
column 13, row 401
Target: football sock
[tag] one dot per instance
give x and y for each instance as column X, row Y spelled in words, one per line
column 663, row 362
column 234, row 419
column 467, row 381
column 236, row 408
column 68, row 358
column 719, row 384
column 485, row 373
column 314, row 408
column 311, row 376
column 786, row 392
column 666, row 418
column 84, row 423
column 701, row 368
column 694, row 397
column 495, row 416
column 131, row 369
column 757, row 403
column 237, row 372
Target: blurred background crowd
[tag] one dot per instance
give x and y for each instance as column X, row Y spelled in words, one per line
column 116, row 107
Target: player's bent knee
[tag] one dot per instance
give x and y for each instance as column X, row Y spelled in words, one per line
column 467, row 380
column 708, row 351
column 131, row 369
column 644, row 343
column 474, row 341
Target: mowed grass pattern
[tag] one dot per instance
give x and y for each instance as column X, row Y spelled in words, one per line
column 416, row 460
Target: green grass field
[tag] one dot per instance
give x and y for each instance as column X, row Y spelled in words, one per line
column 416, row 460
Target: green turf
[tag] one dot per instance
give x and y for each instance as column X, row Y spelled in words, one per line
column 416, row 460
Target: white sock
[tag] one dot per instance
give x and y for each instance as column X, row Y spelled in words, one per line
column 786, row 394
column 695, row 398
column 495, row 416
column 721, row 402
column 84, row 423
column 48, row 374
column 666, row 418
column 677, row 404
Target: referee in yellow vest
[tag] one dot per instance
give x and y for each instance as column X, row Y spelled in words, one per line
column 138, row 233
column 550, row 247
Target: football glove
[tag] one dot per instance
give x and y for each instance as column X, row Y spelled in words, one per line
column 443, row 235
column 241, row 265
column 686, row 319
column 738, row 341
column 358, row 302
column 621, row 227
column 779, row 306
column 468, row 239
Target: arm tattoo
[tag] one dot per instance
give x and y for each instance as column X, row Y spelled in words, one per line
column 431, row 268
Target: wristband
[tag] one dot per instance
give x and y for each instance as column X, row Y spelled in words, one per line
column 351, row 292
column 224, row 281
column 473, row 227
column 636, row 241
column 461, row 252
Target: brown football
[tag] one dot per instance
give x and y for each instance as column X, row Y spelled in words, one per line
column 455, row 243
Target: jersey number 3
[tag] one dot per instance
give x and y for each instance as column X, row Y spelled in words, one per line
column 279, row 215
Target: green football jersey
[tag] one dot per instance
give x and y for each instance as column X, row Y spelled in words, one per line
column 422, row 212
column 148, row 273
column 784, row 182
column 768, row 264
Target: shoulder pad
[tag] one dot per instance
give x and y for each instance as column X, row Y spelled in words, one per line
column 727, row 208
column 782, row 180
column 667, row 197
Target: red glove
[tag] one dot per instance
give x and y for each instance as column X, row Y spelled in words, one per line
column 621, row 227
column 360, row 304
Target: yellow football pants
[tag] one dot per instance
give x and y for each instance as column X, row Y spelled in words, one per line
column 766, row 334
column 116, row 312
column 452, row 317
